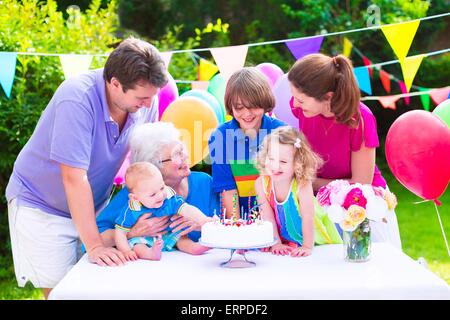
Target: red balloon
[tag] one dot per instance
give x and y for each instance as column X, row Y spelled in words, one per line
column 418, row 153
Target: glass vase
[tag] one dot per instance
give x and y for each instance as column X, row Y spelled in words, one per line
column 357, row 243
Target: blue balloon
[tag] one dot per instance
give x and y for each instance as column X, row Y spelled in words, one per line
column 210, row 100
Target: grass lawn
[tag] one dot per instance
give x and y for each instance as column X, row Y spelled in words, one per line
column 419, row 229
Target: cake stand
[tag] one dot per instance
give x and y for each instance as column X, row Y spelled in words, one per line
column 240, row 262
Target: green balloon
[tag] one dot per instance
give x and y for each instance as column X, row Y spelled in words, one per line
column 217, row 87
column 443, row 111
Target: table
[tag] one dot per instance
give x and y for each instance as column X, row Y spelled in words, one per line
column 390, row 274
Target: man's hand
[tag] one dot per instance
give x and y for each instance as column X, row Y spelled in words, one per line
column 106, row 256
column 150, row 227
column 179, row 222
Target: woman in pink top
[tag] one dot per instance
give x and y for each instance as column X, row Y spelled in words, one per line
column 341, row 129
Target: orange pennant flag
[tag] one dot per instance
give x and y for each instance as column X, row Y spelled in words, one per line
column 385, row 80
column 388, row 102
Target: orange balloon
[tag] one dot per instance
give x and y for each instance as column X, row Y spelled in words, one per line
column 196, row 121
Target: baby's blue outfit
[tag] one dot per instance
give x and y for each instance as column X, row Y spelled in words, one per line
column 171, row 205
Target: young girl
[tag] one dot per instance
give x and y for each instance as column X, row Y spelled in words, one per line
column 233, row 145
column 341, row 129
column 285, row 194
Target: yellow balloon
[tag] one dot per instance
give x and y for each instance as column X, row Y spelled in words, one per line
column 196, row 121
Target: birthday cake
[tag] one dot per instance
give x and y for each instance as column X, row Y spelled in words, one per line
column 237, row 233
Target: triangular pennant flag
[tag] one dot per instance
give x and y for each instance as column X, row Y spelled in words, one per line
column 302, row 47
column 166, row 56
column 385, row 80
column 73, row 64
column 402, row 86
column 388, row 101
column 425, row 99
column 362, row 76
column 400, row 36
column 7, row 71
column 229, row 59
column 206, row 70
column 367, row 62
column 439, row 95
column 199, row 85
column 347, row 50
column 410, row 65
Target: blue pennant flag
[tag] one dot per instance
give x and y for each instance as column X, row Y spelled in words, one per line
column 363, row 78
column 7, row 71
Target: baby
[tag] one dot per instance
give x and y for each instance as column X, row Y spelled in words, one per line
column 149, row 194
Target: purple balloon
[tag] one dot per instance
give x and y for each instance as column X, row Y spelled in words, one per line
column 271, row 71
column 167, row 95
column 282, row 110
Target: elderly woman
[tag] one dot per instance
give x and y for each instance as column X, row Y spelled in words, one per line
column 159, row 144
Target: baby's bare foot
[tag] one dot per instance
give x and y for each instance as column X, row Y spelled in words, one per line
column 199, row 249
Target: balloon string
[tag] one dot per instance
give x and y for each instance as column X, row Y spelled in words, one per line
column 442, row 228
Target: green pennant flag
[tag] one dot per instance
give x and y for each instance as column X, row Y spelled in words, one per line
column 425, row 99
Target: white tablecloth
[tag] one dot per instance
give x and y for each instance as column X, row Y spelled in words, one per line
column 390, row 274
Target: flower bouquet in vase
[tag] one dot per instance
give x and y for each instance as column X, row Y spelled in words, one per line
column 352, row 206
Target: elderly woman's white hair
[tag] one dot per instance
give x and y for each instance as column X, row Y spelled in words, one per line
column 148, row 139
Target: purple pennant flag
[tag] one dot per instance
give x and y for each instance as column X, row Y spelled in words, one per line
column 302, row 47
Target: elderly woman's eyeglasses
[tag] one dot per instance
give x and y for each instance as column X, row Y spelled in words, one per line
column 177, row 157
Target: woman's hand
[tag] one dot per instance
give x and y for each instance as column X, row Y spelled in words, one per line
column 301, row 252
column 150, row 227
column 179, row 222
column 106, row 256
column 280, row 249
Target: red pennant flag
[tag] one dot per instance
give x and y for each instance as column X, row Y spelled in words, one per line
column 385, row 80
column 439, row 95
column 367, row 62
column 388, row 102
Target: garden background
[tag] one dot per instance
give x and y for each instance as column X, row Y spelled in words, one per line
column 96, row 27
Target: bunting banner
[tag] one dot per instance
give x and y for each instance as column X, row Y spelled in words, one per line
column 402, row 86
column 166, row 56
column 425, row 99
column 8, row 62
column 347, row 50
column 400, row 36
column 206, row 70
column 302, row 47
column 362, row 76
column 199, row 85
column 367, row 62
column 388, row 102
column 73, row 64
column 410, row 65
column 439, row 95
column 229, row 59
column 385, row 80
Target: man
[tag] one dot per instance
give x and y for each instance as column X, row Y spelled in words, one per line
column 64, row 173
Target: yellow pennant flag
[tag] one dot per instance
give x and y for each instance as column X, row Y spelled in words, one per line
column 410, row 65
column 347, row 47
column 206, row 70
column 400, row 36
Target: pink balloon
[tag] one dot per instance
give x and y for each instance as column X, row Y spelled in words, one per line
column 167, row 95
column 120, row 176
column 271, row 71
column 418, row 153
column 282, row 110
